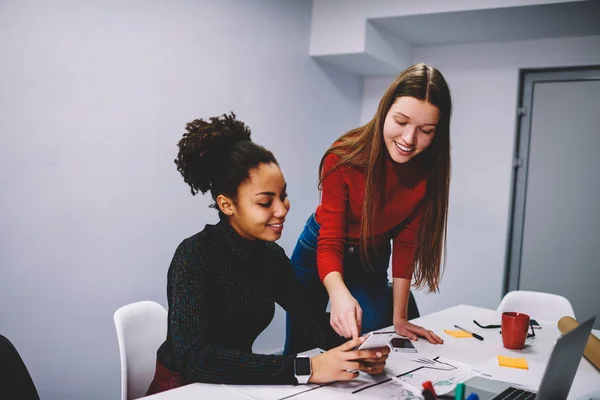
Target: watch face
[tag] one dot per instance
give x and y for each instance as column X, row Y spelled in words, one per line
column 302, row 366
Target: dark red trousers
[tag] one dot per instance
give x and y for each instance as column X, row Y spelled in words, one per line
column 165, row 379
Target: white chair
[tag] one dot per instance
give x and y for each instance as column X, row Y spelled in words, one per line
column 141, row 329
column 538, row 305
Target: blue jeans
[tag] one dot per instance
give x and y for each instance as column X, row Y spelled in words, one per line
column 369, row 286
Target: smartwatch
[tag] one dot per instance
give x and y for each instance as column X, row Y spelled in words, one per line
column 302, row 369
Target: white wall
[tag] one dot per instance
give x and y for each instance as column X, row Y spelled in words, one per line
column 484, row 81
column 94, row 97
column 339, row 26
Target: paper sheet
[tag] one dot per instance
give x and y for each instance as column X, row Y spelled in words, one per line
column 392, row 390
column 445, row 374
column 402, row 380
column 525, row 378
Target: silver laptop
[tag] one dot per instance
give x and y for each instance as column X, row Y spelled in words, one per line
column 558, row 377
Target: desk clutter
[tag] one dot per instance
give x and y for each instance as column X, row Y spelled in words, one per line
column 406, row 376
column 429, row 393
column 418, row 376
column 458, row 369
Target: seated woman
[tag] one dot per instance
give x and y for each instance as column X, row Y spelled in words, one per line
column 224, row 281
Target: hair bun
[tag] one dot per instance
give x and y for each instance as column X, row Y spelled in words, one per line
column 204, row 144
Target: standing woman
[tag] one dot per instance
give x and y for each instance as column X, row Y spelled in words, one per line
column 386, row 181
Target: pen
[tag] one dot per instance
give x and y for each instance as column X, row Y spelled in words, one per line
column 459, row 392
column 427, row 395
column 476, row 336
column 428, row 386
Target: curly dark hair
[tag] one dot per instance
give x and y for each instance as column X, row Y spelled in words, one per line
column 217, row 155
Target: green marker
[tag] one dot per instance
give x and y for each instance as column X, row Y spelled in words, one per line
column 459, row 392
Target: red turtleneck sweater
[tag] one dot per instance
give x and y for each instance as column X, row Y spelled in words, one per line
column 341, row 208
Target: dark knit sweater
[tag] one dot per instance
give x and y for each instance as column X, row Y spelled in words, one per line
column 222, row 291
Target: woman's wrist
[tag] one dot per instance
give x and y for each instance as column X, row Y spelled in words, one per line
column 401, row 292
column 334, row 284
column 314, row 364
column 399, row 318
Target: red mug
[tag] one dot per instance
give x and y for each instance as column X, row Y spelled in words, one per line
column 514, row 330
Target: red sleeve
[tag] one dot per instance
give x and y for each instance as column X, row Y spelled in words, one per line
column 332, row 217
column 404, row 247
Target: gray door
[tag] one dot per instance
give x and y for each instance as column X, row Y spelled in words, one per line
column 555, row 238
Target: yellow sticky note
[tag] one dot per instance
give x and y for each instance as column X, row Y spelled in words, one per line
column 458, row 334
column 511, row 362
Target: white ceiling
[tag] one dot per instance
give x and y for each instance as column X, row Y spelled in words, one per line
column 497, row 25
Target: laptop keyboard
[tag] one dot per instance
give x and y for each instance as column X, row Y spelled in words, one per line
column 515, row 394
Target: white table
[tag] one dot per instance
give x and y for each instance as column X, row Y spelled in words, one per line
column 480, row 354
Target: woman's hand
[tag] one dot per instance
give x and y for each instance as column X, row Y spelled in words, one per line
column 335, row 364
column 346, row 314
column 412, row 331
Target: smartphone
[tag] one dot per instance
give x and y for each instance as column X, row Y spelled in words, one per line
column 535, row 324
column 374, row 340
column 403, row 345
